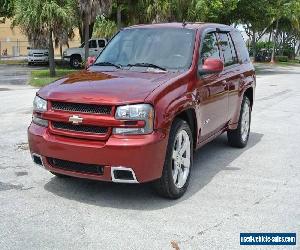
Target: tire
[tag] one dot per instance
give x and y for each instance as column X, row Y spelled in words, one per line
column 169, row 186
column 30, row 63
column 238, row 138
column 59, row 175
column 75, row 62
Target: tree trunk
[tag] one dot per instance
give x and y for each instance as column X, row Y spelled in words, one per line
column 275, row 40
column 86, row 36
column 61, row 51
column 119, row 16
column 91, row 29
column 51, row 56
column 298, row 50
column 254, row 46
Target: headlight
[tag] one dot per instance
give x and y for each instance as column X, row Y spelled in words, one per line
column 39, row 104
column 138, row 112
column 30, row 54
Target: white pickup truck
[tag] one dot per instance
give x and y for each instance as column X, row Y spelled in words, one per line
column 36, row 56
column 75, row 56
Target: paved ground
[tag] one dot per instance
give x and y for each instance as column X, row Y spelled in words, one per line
column 256, row 189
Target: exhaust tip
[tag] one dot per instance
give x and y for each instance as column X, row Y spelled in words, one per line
column 37, row 159
column 123, row 175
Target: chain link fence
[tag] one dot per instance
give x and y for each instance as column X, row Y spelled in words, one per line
column 19, row 48
column 13, row 48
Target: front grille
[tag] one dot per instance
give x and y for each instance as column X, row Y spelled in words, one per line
column 82, row 108
column 80, row 128
column 76, row 166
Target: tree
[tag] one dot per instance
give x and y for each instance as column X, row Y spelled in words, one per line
column 6, row 9
column 284, row 9
column 256, row 18
column 43, row 21
column 218, row 11
column 89, row 10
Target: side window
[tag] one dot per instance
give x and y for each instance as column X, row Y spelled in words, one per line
column 240, row 46
column 209, row 48
column 101, row 43
column 228, row 49
column 92, row 44
column 233, row 51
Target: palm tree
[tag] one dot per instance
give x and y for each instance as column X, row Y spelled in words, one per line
column 42, row 21
column 89, row 10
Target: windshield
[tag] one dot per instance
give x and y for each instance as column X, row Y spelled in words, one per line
column 162, row 48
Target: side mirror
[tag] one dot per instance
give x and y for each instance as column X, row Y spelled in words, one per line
column 211, row 66
column 90, row 61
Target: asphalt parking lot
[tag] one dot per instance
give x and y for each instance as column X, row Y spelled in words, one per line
column 256, row 189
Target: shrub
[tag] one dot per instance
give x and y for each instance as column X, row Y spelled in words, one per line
column 281, row 58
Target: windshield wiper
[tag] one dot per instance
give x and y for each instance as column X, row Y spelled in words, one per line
column 107, row 64
column 150, row 65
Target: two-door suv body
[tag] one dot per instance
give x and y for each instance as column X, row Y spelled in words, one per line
column 154, row 95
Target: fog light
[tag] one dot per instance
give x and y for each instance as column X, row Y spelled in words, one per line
column 41, row 122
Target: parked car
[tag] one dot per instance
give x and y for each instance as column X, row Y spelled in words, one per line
column 37, row 56
column 75, row 56
column 154, row 95
column 264, row 55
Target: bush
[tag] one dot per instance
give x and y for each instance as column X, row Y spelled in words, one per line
column 104, row 28
column 281, row 58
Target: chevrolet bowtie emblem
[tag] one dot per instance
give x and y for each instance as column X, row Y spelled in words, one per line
column 75, row 119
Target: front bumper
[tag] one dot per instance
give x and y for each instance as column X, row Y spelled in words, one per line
column 144, row 154
column 66, row 58
column 41, row 59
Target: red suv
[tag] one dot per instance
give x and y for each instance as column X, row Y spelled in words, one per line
column 153, row 96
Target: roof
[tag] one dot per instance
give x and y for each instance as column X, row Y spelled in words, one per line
column 188, row 25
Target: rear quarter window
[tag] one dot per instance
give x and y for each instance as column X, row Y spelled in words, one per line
column 240, row 46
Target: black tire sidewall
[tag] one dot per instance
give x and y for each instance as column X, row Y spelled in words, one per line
column 235, row 136
column 73, row 59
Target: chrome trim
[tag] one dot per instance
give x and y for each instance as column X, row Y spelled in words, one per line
column 75, row 119
column 134, row 180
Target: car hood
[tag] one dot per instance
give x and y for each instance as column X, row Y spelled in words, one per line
column 114, row 87
column 72, row 50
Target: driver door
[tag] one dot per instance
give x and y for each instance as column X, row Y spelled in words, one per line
column 212, row 90
column 93, row 48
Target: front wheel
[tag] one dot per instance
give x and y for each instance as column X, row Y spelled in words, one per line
column 75, row 62
column 179, row 159
column 239, row 137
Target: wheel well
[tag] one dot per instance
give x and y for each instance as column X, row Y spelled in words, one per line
column 189, row 116
column 76, row 56
column 249, row 94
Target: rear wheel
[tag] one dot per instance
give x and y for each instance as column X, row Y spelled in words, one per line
column 239, row 137
column 75, row 62
column 179, row 159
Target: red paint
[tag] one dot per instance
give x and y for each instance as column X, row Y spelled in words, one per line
column 214, row 98
column 213, row 65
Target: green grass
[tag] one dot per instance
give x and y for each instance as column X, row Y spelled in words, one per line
column 40, row 78
column 289, row 63
column 13, row 62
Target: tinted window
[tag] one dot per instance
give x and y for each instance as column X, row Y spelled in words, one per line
column 240, row 46
column 101, row 43
column 92, row 44
column 170, row 48
column 228, row 49
column 209, row 48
